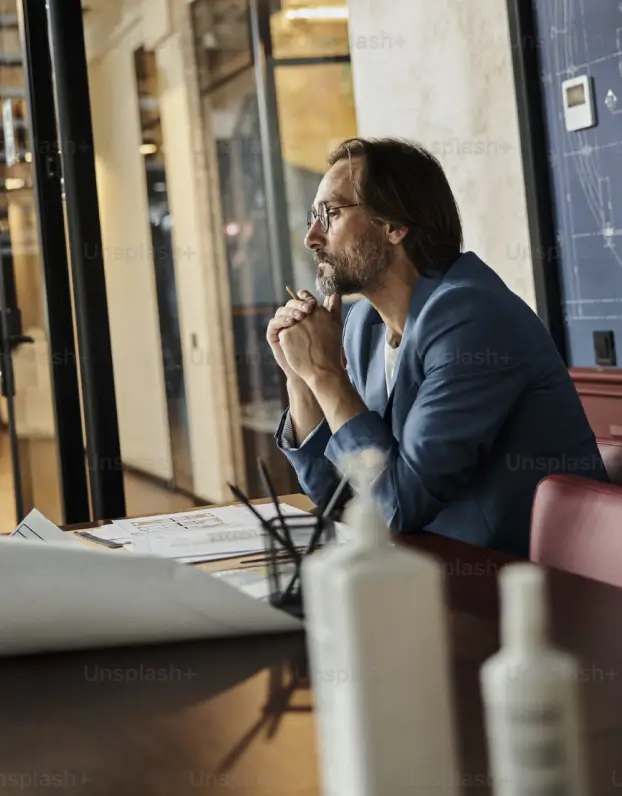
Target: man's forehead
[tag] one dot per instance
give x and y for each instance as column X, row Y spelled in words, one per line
column 336, row 185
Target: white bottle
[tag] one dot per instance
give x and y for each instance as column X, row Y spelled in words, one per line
column 531, row 697
column 379, row 661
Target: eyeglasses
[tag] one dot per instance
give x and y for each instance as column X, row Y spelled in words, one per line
column 323, row 215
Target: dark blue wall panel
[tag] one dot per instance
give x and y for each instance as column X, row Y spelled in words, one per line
column 579, row 37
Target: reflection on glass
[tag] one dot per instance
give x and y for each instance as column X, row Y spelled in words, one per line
column 161, row 223
column 235, row 119
column 310, row 28
column 316, row 112
column 223, row 40
column 34, row 421
column 235, row 122
column 139, row 263
column 231, row 112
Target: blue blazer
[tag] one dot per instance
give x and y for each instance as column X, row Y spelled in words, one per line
column 481, row 408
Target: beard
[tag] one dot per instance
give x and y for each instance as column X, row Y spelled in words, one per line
column 354, row 271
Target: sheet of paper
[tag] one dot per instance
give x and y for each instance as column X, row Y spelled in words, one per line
column 57, row 596
column 36, row 527
column 204, row 535
column 122, row 531
column 253, row 581
column 232, row 516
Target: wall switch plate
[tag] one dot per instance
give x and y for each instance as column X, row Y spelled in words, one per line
column 578, row 103
column 605, row 348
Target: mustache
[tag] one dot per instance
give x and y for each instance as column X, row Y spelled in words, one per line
column 322, row 257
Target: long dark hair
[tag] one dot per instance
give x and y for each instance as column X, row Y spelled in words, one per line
column 403, row 184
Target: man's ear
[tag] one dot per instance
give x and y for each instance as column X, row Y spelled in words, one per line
column 396, row 234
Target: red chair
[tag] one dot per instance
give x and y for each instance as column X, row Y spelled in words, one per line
column 611, row 453
column 576, row 526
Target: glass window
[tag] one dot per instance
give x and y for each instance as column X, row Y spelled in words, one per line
column 222, row 36
column 235, row 119
column 33, row 423
column 146, row 258
column 316, row 112
column 234, row 112
column 161, row 224
column 310, row 28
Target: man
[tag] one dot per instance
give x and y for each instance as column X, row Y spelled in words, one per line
column 447, row 370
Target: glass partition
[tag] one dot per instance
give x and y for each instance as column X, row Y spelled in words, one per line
column 272, row 123
column 310, row 29
column 29, row 465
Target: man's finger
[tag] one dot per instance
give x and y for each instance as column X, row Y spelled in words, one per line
column 333, row 304
column 284, row 314
column 275, row 326
column 308, row 299
column 302, row 306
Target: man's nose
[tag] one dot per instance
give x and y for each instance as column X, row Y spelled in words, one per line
column 315, row 237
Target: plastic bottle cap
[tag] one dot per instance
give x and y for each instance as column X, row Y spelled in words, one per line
column 523, row 605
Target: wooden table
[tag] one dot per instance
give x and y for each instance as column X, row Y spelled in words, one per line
column 235, row 716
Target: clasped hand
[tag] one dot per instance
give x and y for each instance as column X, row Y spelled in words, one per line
column 306, row 338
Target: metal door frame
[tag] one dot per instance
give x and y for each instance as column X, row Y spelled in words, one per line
column 32, row 22
column 525, row 45
column 64, row 164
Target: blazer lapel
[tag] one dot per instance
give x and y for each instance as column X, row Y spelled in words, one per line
column 422, row 290
column 376, row 392
column 376, row 397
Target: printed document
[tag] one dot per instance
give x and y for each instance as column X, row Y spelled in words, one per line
column 204, row 534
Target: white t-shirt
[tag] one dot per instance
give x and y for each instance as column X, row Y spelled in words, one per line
column 390, row 355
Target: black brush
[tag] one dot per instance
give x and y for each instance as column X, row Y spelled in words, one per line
column 269, row 486
column 324, row 515
column 264, row 523
column 243, row 499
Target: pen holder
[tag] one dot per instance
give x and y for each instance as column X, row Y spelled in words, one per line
column 288, row 540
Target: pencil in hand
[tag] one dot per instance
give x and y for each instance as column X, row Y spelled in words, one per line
column 292, row 293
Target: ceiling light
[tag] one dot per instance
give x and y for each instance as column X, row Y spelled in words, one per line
column 321, row 12
column 13, row 183
column 28, row 157
column 148, row 149
column 232, row 229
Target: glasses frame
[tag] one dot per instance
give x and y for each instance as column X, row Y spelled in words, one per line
column 322, row 215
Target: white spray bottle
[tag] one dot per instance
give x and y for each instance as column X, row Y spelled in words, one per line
column 379, row 659
column 531, row 697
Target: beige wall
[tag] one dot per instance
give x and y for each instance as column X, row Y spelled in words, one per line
column 130, row 282
column 210, row 404
column 440, row 73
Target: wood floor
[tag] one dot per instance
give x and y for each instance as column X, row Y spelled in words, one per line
column 7, row 504
column 142, row 497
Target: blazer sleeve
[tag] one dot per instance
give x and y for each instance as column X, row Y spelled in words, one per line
column 473, row 374
column 316, row 474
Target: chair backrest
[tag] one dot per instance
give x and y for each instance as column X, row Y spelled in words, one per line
column 576, row 525
column 611, row 453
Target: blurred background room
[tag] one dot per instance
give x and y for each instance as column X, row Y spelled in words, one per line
column 212, row 121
